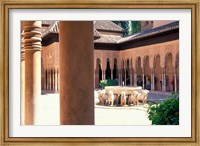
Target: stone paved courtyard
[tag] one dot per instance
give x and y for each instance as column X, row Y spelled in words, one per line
column 48, row 111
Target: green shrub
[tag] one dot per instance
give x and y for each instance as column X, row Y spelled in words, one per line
column 166, row 112
column 104, row 83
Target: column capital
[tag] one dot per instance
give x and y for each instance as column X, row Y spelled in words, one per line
column 32, row 35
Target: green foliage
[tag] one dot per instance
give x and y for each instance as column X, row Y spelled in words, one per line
column 130, row 27
column 104, row 83
column 135, row 27
column 166, row 112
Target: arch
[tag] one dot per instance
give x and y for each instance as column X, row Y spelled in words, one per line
column 147, row 72
column 157, row 73
column 139, row 71
column 115, row 70
column 98, row 72
column 108, row 70
column 169, row 72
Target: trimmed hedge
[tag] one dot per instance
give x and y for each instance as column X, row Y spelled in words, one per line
column 104, row 83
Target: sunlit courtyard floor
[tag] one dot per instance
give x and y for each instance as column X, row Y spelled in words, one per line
column 48, row 112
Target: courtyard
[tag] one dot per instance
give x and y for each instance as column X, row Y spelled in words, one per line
column 148, row 59
column 48, row 111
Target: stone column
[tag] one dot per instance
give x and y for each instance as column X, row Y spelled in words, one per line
column 143, row 80
column 119, row 77
column 103, row 74
column 48, row 77
column 32, row 45
column 56, row 81
column 175, row 80
column 94, row 79
column 111, row 74
column 135, row 79
column 58, row 77
column 49, row 80
column 53, row 80
column 131, row 77
column 163, row 80
column 76, row 88
column 44, row 79
column 125, row 77
column 152, row 80
column 22, row 92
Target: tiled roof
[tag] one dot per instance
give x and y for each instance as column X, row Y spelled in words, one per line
column 111, row 39
column 149, row 32
column 96, row 33
column 54, row 28
column 47, row 22
column 107, row 25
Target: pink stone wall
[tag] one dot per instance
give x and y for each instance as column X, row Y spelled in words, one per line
column 50, row 57
column 160, row 23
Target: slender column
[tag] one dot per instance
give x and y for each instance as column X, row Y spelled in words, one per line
column 164, row 80
column 143, row 80
column 103, row 74
column 48, row 74
column 95, row 76
column 111, row 74
column 53, row 80
column 119, row 77
column 125, row 77
column 175, row 80
column 131, row 78
column 22, row 83
column 32, row 45
column 152, row 80
column 135, row 79
column 49, row 80
column 76, row 89
column 44, row 79
column 56, row 81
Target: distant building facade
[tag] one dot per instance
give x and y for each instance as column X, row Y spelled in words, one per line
column 149, row 59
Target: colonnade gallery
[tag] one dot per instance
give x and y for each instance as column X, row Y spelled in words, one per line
column 149, row 57
column 72, row 57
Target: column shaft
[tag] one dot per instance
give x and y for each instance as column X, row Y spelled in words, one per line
column 125, row 77
column 164, row 80
column 76, row 82
column 22, row 88
column 32, row 45
column 56, row 81
column 143, row 81
column 135, row 79
column 53, row 80
column 175, row 80
column 119, row 77
column 131, row 78
column 111, row 74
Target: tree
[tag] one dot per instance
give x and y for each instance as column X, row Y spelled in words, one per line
column 134, row 27
column 124, row 25
column 130, row 27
